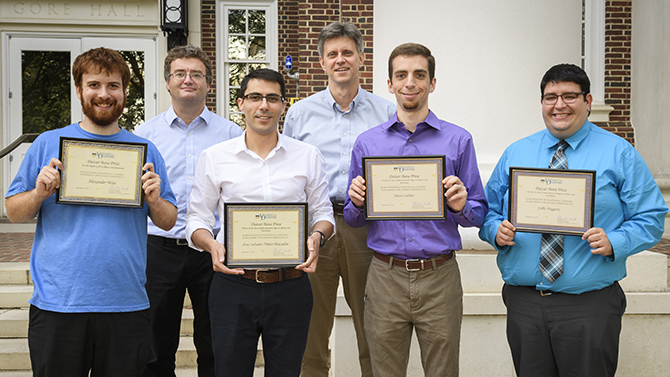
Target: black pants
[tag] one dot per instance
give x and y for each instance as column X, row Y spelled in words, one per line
column 72, row 344
column 242, row 310
column 562, row 334
column 171, row 270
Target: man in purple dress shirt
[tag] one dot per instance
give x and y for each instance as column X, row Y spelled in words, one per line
column 414, row 280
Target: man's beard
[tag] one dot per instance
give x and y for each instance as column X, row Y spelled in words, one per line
column 103, row 118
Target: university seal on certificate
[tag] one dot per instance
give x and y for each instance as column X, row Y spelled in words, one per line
column 404, row 188
column 265, row 235
column 97, row 172
column 557, row 201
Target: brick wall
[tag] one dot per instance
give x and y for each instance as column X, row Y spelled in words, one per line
column 618, row 27
column 300, row 22
column 208, row 44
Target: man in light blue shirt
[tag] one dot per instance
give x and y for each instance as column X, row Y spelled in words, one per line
column 181, row 133
column 332, row 120
column 569, row 325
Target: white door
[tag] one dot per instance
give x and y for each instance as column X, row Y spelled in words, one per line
column 40, row 93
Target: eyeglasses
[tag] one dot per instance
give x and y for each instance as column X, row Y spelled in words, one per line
column 569, row 97
column 257, row 97
column 182, row 76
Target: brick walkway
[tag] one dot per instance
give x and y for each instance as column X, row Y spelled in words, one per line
column 15, row 247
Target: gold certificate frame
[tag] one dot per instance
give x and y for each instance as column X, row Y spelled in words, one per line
column 556, row 201
column 265, row 235
column 404, row 188
column 104, row 173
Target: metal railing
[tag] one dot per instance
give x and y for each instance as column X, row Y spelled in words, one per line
column 25, row 138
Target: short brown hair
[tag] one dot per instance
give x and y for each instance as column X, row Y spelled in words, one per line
column 185, row 52
column 98, row 60
column 413, row 49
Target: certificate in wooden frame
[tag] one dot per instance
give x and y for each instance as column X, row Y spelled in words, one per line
column 265, row 235
column 404, row 188
column 104, row 173
column 556, row 201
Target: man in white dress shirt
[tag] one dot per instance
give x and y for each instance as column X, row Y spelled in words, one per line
column 259, row 166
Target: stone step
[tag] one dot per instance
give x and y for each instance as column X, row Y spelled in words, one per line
column 15, row 273
column 14, row 354
column 15, row 296
column 14, row 323
column 180, row 372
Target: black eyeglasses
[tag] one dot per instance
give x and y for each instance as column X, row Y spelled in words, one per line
column 257, row 97
column 569, row 97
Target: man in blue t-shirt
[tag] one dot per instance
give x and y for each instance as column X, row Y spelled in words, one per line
column 89, row 309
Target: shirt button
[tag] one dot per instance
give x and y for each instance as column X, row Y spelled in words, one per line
column 341, row 190
column 344, row 116
column 345, row 134
column 344, row 172
column 344, row 153
column 410, row 140
column 410, row 240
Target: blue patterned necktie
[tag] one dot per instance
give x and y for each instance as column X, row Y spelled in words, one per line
column 551, row 249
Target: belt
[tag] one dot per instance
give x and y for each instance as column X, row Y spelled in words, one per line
column 338, row 207
column 170, row 241
column 415, row 264
column 272, row 276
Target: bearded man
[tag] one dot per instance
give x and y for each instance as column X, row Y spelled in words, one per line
column 89, row 310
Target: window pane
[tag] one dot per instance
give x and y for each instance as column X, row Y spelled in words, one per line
column 236, row 21
column 257, row 48
column 257, row 21
column 133, row 115
column 46, row 90
column 234, row 94
column 253, row 67
column 239, row 119
column 236, row 74
column 237, row 47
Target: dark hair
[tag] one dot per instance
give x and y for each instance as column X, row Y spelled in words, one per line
column 186, row 52
column 413, row 49
column 266, row 75
column 99, row 60
column 340, row 29
column 566, row 73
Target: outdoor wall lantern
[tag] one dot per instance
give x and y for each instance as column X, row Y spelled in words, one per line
column 175, row 22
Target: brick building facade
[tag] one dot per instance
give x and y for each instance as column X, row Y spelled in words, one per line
column 300, row 22
column 618, row 30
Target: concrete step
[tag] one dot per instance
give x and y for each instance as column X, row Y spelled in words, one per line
column 14, row 323
column 15, row 273
column 180, row 372
column 15, row 356
column 15, row 296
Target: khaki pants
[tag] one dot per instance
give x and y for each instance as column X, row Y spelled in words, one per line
column 345, row 255
column 397, row 301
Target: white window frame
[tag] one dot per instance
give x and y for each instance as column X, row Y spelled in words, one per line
column 222, row 61
column 594, row 57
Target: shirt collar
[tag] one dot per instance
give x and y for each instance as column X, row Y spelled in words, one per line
column 241, row 145
column 574, row 141
column 331, row 100
column 431, row 120
column 171, row 116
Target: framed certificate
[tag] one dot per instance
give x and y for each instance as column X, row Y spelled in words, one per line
column 557, row 201
column 105, row 173
column 404, row 188
column 265, row 235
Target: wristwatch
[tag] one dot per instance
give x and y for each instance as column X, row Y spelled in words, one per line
column 323, row 237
